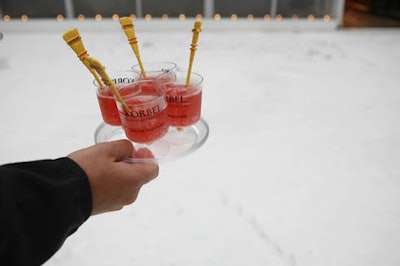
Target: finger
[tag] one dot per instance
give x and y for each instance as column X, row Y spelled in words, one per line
column 141, row 173
column 132, row 196
column 149, row 171
column 120, row 149
column 143, row 153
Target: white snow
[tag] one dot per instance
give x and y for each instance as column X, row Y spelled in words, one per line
column 301, row 166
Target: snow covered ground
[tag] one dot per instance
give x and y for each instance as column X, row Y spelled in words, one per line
column 301, row 166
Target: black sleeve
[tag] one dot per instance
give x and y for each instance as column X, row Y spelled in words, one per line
column 41, row 204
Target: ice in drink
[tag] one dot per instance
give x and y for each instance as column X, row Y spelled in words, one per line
column 146, row 120
column 155, row 73
column 184, row 104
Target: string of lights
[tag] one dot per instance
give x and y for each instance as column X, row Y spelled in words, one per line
column 148, row 17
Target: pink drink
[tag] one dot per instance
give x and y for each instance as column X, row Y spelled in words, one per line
column 108, row 107
column 184, row 102
column 147, row 119
column 106, row 99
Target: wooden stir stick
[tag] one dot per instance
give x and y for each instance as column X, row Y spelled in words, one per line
column 74, row 40
column 127, row 26
column 196, row 30
column 100, row 69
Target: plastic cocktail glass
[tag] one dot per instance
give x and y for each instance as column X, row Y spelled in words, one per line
column 146, row 120
column 155, row 69
column 184, row 102
column 105, row 96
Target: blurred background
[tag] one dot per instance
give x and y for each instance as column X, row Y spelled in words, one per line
column 349, row 13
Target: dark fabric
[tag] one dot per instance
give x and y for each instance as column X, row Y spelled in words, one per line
column 41, row 204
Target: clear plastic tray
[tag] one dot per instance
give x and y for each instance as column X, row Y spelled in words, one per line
column 175, row 144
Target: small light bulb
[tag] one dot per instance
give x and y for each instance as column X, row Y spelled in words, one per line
column 327, row 18
column 115, row 17
column 60, row 17
column 182, row 16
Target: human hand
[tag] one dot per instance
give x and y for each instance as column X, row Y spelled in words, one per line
column 114, row 183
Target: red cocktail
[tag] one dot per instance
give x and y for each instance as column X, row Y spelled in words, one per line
column 105, row 96
column 108, row 107
column 184, row 102
column 146, row 119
